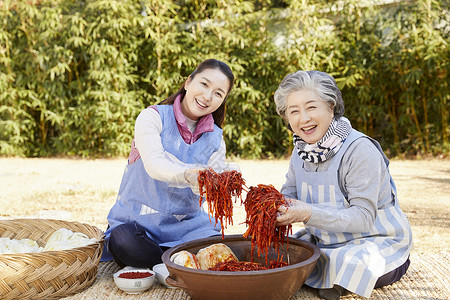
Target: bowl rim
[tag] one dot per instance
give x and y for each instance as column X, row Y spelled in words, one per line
column 236, row 237
column 158, row 266
column 140, row 270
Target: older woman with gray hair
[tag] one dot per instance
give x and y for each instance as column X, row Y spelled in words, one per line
column 338, row 184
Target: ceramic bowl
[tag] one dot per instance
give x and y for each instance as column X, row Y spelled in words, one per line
column 161, row 274
column 134, row 286
column 278, row 283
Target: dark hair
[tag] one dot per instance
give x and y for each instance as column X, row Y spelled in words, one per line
column 219, row 113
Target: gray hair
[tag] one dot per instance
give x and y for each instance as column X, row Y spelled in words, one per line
column 320, row 82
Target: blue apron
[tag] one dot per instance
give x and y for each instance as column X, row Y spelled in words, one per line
column 354, row 261
column 171, row 215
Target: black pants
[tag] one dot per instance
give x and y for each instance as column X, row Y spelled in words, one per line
column 130, row 246
column 393, row 276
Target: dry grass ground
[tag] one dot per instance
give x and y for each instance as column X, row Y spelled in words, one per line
column 84, row 190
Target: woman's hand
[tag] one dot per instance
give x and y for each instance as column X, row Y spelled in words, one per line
column 296, row 211
column 191, row 176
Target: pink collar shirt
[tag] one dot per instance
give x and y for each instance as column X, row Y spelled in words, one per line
column 204, row 124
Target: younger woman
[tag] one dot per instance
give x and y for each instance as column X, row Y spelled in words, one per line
column 156, row 207
column 346, row 196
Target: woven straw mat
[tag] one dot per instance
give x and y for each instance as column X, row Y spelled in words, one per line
column 426, row 278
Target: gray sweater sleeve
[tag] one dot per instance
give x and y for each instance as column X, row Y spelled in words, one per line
column 364, row 176
column 289, row 188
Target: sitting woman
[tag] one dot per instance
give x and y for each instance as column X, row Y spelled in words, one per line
column 157, row 206
column 346, row 195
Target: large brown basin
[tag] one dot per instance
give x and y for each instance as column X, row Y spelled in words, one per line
column 279, row 283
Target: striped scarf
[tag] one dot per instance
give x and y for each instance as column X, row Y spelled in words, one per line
column 328, row 145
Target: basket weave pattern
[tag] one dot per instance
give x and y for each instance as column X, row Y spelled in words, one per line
column 50, row 274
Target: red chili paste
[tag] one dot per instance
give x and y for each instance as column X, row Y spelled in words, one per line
column 135, row 275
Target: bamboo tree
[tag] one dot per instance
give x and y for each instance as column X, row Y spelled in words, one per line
column 74, row 75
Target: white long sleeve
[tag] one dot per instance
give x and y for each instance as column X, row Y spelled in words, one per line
column 160, row 164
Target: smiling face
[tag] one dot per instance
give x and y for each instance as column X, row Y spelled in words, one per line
column 204, row 93
column 308, row 116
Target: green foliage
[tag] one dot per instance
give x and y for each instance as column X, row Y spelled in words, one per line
column 74, row 75
column 401, row 93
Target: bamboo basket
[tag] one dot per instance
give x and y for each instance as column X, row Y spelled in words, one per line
column 50, row 274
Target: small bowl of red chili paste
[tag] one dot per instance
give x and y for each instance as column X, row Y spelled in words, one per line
column 134, row 280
